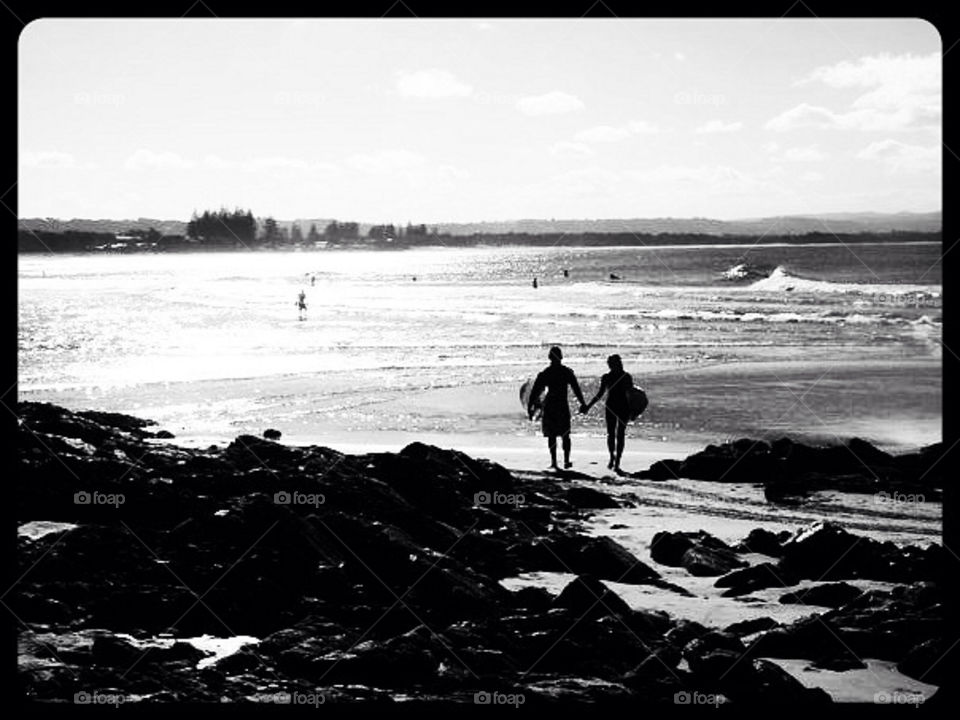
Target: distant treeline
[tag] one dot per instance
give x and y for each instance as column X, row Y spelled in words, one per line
column 238, row 237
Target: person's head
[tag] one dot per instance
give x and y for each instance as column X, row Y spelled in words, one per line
column 615, row 363
column 555, row 354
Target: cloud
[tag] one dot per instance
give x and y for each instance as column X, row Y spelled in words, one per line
column 571, row 149
column 147, row 159
column 901, row 157
column 274, row 164
column 810, row 153
column 48, row 159
column 386, row 161
column 551, row 103
column 904, row 92
column 432, row 83
column 603, row 133
column 718, row 126
column 679, row 56
column 811, row 176
column 609, row 133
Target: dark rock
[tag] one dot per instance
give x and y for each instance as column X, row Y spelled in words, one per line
column 271, row 434
column 589, row 598
column 662, row 470
column 756, row 577
column 763, row 541
column 814, row 638
column 583, row 497
column 707, row 561
column 927, row 661
column 749, row 627
column 713, row 654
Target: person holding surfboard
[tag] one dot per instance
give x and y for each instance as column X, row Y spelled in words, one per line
column 617, row 384
column 556, row 379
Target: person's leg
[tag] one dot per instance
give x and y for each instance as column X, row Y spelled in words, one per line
column 611, row 438
column 621, row 441
column 566, row 450
column 552, row 444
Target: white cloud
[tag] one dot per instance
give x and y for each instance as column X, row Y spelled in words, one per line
column 603, row 133
column 48, row 159
column 810, row 153
column 901, row 157
column 811, row 176
column 551, row 103
column 904, row 93
column 571, row 149
column 386, row 161
column 609, row 133
column 679, row 56
column 432, row 83
column 147, row 159
column 718, row 126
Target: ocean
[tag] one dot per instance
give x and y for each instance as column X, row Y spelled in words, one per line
column 824, row 341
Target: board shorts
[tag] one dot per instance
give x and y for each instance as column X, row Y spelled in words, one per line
column 556, row 418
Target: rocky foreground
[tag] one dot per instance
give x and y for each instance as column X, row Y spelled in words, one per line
column 375, row 579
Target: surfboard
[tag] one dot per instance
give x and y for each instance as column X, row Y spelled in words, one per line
column 525, row 397
column 638, row 402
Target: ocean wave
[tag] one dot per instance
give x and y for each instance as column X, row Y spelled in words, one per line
column 782, row 280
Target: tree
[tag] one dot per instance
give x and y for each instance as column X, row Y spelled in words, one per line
column 296, row 234
column 313, row 236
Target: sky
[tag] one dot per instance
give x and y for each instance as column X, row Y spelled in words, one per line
column 478, row 119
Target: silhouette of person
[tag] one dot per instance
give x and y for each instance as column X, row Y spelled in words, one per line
column 302, row 303
column 313, row 280
column 556, row 378
column 617, row 385
column 535, row 284
column 566, row 273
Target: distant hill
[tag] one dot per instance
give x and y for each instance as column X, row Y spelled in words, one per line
column 779, row 225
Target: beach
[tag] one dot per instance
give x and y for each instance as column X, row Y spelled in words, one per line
column 814, row 382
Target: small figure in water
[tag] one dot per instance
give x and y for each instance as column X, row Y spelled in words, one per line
column 614, row 277
column 313, row 280
column 414, row 278
column 556, row 378
column 566, row 273
column 535, row 284
column 617, row 384
column 302, row 303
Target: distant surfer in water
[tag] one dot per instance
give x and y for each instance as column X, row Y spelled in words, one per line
column 534, row 283
column 302, row 303
column 617, row 385
column 556, row 378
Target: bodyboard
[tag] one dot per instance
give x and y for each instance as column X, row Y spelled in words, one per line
column 638, row 402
